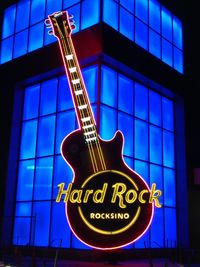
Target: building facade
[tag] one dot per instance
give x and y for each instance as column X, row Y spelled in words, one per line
column 132, row 59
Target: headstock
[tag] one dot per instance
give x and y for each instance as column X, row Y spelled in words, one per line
column 60, row 24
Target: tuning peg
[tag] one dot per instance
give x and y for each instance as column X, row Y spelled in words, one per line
column 73, row 27
column 72, row 22
column 71, row 16
column 47, row 22
column 50, row 32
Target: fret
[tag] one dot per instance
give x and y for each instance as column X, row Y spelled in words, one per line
column 86, row 119
column 88, row 126
column 76, row 81
column 72, row 70
column 90, row 133
column 91, row 139
column 69, row 57
column 79, row 92
column 82, row 107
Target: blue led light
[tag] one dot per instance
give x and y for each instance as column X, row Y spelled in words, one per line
column 126, row 25
column 21, row 43
column 141, row 34
column 90, row 13
column 23, row 13
column 9, row 21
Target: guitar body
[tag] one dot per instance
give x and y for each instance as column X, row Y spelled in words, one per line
column 75, row 151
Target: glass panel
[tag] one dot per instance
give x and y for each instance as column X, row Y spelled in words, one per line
column 90, row 76
column 126, row 26
column 36, row 36
column 9, row 21
column 170, row 227
column 141, row 140
column 75, row 11
column 21, row 235
column 48, row 97
column 25, row 180
column 60, row 231
column 46, row 136
column 62, row 174
column 157, row 229
column 177, row 33
column 90, row 13
column 167, row 52
column 52, row 6
column 28, row 139
column 125, row 98
column 6, row 49
column 167, row 114
column 155, row 108
column 43, row 179
column 166, row 24
column 141, row 34
column 178, row 60
column 23, row 12
column 42, row 222
column 109, row 86
column 68, row 3
column 125, row 124
column 31, row 102
column 155, row 145
column 141, row 9
column 168, row 149
column 169, row 187
column 109, row 5
column 154, row 15
column 37, row 11
column 64, row 94
column 108, row 119
column 156, row 177
column 154, row 43
column 21, row 44
column 128, row 4
column 23, row 209
column 141, row 101
column 142, row 168
column 65, row 125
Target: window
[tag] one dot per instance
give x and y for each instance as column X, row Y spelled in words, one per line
column 150, row 25
column 146, row 118
column 25, row 21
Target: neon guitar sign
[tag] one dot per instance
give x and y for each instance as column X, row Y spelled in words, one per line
column 108, row 205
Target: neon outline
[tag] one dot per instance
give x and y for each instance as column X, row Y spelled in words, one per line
column 103, row 231
column 87, row 98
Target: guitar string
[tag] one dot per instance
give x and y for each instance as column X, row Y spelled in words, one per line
column 79, row 102
column 90, row 148
column 91, row 116
column 99, row 149
column 63, row 45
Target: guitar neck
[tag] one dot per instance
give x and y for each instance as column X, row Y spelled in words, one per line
column 79, row 94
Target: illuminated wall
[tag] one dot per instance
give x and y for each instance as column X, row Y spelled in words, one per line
column 145, row 22
column 145, row 116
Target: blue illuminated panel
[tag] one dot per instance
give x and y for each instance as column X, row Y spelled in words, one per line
column 144, row 21
column 150, row 25
column 146, row 119
column 29, row 15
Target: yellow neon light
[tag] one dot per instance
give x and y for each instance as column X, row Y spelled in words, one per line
column 100, row 231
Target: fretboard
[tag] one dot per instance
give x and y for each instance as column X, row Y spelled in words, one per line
column 79, row 94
